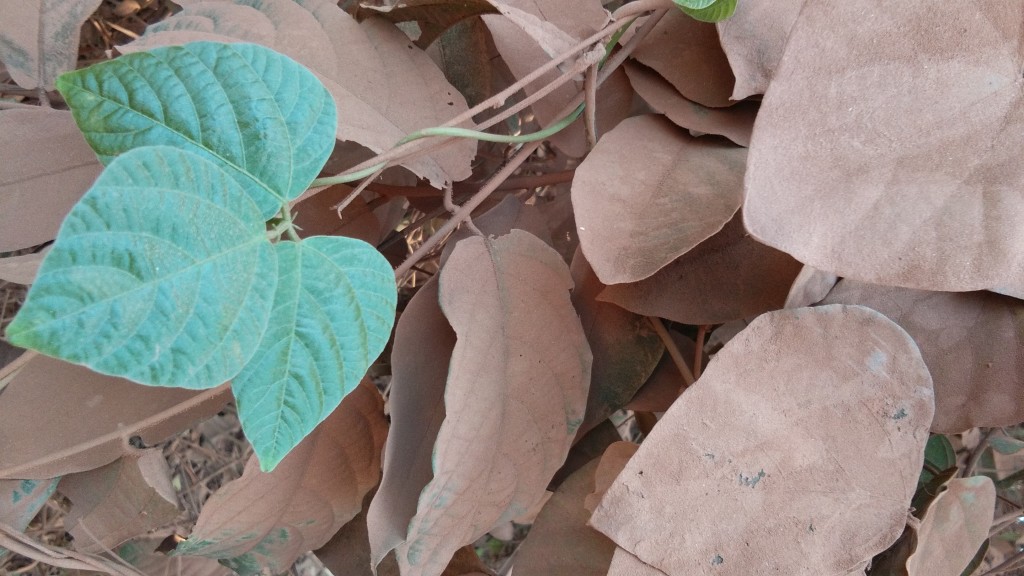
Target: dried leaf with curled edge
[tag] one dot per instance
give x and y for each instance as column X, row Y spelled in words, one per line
column 726, row 277
column 560, row 543
column 754, row 38
column 649, row 193
column 266, row 520
column 953, row 528
column 516, row 393
column 797, row 452
column 735, row 123
column 124, row 499
column 971, row 342
column 39, row 39
column 866, row 178
column 60, row 418
column 47, row 167
column 809, row 287
column 688, row 54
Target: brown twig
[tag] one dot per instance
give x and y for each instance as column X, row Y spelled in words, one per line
column 673, row 351
column 698, row 354
column 18, row 543
column 975, row 455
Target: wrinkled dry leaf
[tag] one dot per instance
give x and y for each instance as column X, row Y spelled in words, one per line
column 432, row 17
column 124, row 499
column 864, row 177
column 665, row 383
column 753, row 40
column 21, row 500
column 956, row 524
column 47, row 168
column 39, row 38
column 735, row 123
column 265, row 520
column 626, row 349
column 501, row 441
column 649, row 193
column 625, row 564
column 578, row 20
column 21, row 269
column 60, row 418
column 972, row 343
column 560, row 543
column 608, row 469
column 727, row 277
column 809, row 287
column 385, row 86
column 797, row 452
column 687, row 53
column 142, row 555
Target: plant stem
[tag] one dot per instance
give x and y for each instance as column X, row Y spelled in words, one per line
column 673, row 352
column 975, row 456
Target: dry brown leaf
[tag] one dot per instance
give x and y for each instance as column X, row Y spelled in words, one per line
column 687, row 53
column 608, row 469
column 432, row 17
column 953, row 528
column 735, row 123
column 384, row 86
column 625, row 564
column 141, row 553
column 809, row 287
column 507, row 215
column 649, row 193
column 560, row 543
column 626, row 349
column 665, row 383
column 21, row 500
column 60, row 418
column 124, row 499
column 47, row 168
column 22, row 269
column 316, row 216
column 469, row 60
column 864, row 177
column 797, row 452
column 39, row 39
column 754, row 39
column 501, row 441
column 265, row 520
column 972, row 343
column 727, row 277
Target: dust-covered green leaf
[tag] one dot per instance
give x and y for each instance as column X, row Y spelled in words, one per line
column 256, row 113
column 707, row 10
column 20, row 500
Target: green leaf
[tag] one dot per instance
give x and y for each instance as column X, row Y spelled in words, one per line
column 258, row 114
column 332, row 316
column 162, row 273
column 713, row 11
column 939, row 452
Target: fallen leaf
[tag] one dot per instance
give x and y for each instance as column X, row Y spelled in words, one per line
column 608, row 469
column 466, row 54
column 754, row 38
column 21, row 500
column 501, row 442
column 141, row 553
column 626, row 349
column 585, row 448
column 48, row 166
column 687, row 53
column 809, row 470
column 649, row 193
column 316, row 216
column 509, row 214
column 39, row 39
column 970, row 341
column 265, row 520
column 124, row 499
column 735, row 123
column 892, row 200
column 809, row 287
column 727, row 277
column 21, row 269
column 432, row 17
column 61, row 418
column 560, row 543
column 956, row 524
column 625, row 564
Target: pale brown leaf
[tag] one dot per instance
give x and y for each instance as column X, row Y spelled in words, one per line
column 956, row 524
column 625, row 564
column 626, row 349
column 47, row 167
column 727, row 277
column 809, row 287
column 560, row 543
column 509, row 214
column 735, row 123
column 265, row 520
column 971, row 342
column 912, row 183
column 124, row 499
column 649, row 193
column 39, row 38
column 687, row 53
column 754, row 38
column 60, row 418
column 21, row 269
column 501, row 441
column 608, row 469
column 797, row 452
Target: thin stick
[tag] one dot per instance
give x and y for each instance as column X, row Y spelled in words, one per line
column 590, row 111
column 673, row 351
column 698, row 354
column 975, row 456
column 1003, row 522
column 18, row 543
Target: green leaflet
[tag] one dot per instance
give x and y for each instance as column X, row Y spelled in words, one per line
column 162, row 273
column 707, row 10
column 262, row 117
column 332, row 316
